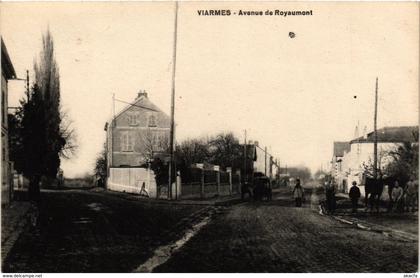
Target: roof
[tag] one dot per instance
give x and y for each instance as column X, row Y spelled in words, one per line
column 396, row 134
column 141, row 102
column 251, row 151
column 6, row 64
column 340, row 148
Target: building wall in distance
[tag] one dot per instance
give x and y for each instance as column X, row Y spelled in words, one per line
column 136, row 134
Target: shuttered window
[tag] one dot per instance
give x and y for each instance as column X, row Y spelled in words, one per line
column 127, row 142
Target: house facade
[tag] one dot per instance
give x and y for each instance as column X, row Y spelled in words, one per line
column 263, row 161
column 135, row 136
column 7, row 72
column 359, row 154
column 340, row 149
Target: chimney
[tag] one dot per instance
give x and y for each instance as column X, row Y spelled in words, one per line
column 256, row 143
column 142, row 93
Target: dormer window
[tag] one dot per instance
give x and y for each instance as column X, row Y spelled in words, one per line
column 152, row 120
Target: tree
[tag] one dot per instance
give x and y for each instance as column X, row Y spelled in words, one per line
column 153, row 143
column 405, row 162
column 368, row 167
column 188, row 152
column 33, row 133
column 16, row 152
column 320, row 174
column 302, row 172
column 226, row 151
column 191, row 151
column 101, row 164
column 59, row 136
column 41, row 133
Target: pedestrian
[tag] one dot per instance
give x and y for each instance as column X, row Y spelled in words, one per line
column 410, row 195
column 298, row 193
column 143, row 191
column 396, row 197
column 330, row 196
column 354, row 195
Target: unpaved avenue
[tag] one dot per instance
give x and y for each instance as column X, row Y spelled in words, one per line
column 277, row 237
column 89, row 232
column 82, row 231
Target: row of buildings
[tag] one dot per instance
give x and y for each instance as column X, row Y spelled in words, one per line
column 7, row 73
column 351, row 158
column 140, row 133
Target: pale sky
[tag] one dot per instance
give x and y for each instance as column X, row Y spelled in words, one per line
column 294, row 96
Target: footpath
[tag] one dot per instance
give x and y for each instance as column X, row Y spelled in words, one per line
column 214, row 201
column 14, row 219
column 401, row 226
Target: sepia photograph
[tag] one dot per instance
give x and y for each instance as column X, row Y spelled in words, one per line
column 209, row 137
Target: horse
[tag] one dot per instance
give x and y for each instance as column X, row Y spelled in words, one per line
column 373, row 192
column 374, row 189
column 246, row 189
column 262, row 189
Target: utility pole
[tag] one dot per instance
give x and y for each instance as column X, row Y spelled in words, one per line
column 27, row 84
column 171, row 138
column 245, row 176
column 265, row 161
column 375, row 138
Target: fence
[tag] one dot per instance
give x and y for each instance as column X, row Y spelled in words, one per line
column 209, row 183
column 131, row 180
column 201, row 183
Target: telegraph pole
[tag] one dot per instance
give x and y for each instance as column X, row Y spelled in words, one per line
column 245, row 164
column 265, row 161
column 171, row 138
column 375, row 138
column 27, row 84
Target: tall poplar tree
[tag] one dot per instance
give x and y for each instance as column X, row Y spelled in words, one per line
column 47, row 78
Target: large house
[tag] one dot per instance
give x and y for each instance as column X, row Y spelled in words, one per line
column 7, row 72
column 353, row 157
column 340, row 148
column 135, row 136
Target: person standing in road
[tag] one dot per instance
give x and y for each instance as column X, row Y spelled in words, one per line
column 330, row 196
column 298, row 193
column 410, row 195
column 354, row 195
column 396, row 196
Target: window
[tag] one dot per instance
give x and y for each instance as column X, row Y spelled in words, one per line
column 152, row 120
column 3, row 107
column 160, row 141
column 127, row 142
column 133, row 118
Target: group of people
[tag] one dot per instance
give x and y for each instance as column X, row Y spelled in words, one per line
column 400, row 198
column 403, row 198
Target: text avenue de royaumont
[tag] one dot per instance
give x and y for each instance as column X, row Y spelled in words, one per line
column 252, row 13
